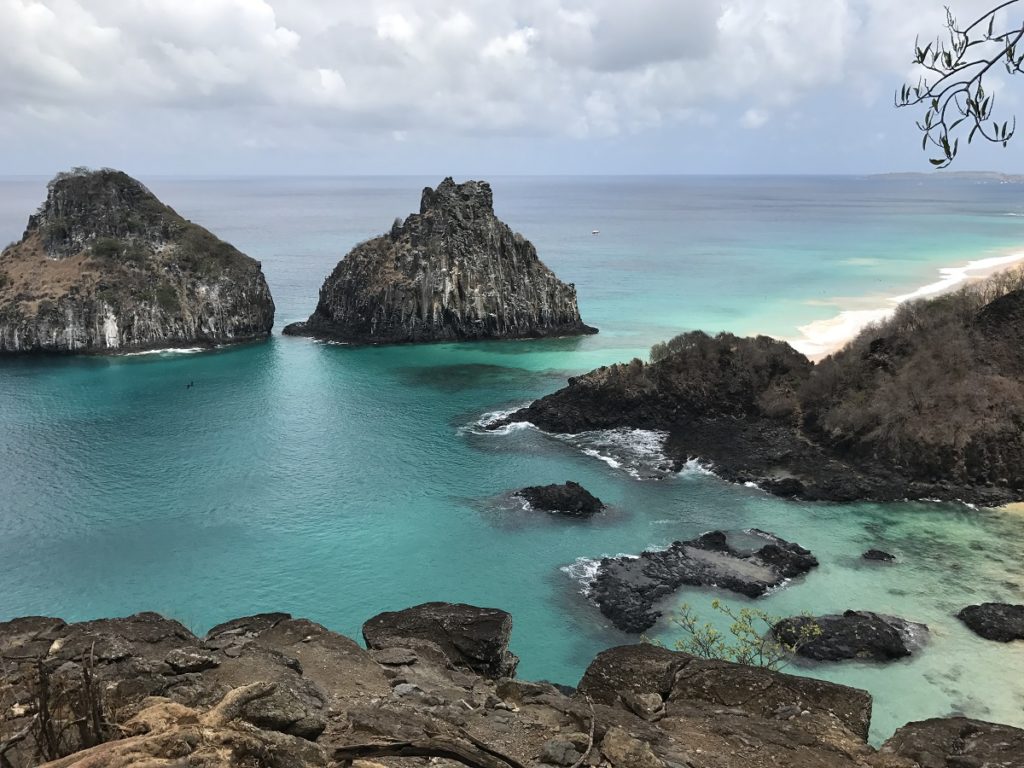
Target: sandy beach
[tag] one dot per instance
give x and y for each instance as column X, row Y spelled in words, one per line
column 821, row 338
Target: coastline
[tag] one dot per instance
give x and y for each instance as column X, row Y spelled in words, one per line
column 821, row 338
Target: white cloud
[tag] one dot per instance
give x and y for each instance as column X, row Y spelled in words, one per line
column 398, row 68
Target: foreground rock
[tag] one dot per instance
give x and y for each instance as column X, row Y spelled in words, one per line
column 106, row 267
column 144, row 691
column 451, row 272
column 859, row 635
column 1001, row 622
column 905, row 411
column 958, row 742
column 469, row 637
column 570, row 499
column 627, row 589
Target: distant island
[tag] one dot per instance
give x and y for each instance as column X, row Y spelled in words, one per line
column 926, row 405
column 1009, row 178
column 105, row 267
column 451, row 272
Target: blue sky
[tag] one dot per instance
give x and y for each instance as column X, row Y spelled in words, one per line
column 468, row 87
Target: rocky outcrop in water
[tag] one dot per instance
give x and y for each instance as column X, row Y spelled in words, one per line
column 878, row 556
column 105, row 267
column 569, row 499
column 860, row 635
column 270, row 690
column 627, row 589
column 451, row 272
column 1002, row 622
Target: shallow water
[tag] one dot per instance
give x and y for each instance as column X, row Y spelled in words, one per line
column 334, row 482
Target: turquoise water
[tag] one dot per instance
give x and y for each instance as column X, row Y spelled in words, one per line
column 335, row 483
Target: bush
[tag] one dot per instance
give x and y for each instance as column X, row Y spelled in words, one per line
column 107, row 248
column 749, row 640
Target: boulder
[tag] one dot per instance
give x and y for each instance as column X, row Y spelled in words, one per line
column 105, row 267
column 1002, row 622
column 860, row 635
column 958, row 742
column 570, row 499
column 878, row 555
column 451, row 272
column 472, row 638
column 627, row 589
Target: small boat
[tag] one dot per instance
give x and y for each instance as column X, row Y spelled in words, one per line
column 595, row 231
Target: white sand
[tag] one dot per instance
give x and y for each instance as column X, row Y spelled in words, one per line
column 823, row 337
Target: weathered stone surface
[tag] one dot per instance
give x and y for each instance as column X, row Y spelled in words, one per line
column 958, row 742
column 859, row 635
column 166, row 733
column 570, row 499
column 451, row 272
column 626, row 589
column 646, row 707
column 1002, row 622
column 472, row 638
column 105, row 267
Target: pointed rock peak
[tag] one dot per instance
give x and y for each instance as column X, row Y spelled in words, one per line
column 449, row 197
column 82, row 205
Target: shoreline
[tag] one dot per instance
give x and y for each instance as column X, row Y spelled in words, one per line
column 821, row 338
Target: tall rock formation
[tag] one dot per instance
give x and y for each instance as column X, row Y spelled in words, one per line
column 451, row 272
column 105, row 267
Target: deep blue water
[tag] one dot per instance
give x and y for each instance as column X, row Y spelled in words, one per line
column 335, row 483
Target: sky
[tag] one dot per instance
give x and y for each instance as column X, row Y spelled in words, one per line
column 212, row 87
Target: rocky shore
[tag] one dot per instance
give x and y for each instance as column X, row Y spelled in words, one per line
column 105, row 267
column 436, row 685
column 451, row 272
column 928, row 405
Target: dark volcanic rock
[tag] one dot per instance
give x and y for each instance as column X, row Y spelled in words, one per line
column 627, row 588
column 451, row 272
column 757, row 411
column 570, row 499
column 627, row 671
column 473, row 638
column 958, row 742
column 858, row 635
column 106, row 267
column 1002, row 622
column 878, row 555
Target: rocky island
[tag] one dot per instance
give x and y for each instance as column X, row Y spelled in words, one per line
column 451, row 272
column 437, row 684
column 105, row 267
column 927, row 405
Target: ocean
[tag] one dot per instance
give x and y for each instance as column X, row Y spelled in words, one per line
column 335, row 483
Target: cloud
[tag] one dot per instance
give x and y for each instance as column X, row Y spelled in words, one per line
column 575, row 69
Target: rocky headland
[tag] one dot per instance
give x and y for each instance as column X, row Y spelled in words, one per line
column 451, row 272
column 629, row 589
column 928, row 405
column 105, row 267
column 435, row 688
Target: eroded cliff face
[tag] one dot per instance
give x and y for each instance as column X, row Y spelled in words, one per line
column 105, row 267
column 453, row 271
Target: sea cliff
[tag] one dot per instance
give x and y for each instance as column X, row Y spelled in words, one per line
column 451, row 272
column 105, row 267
